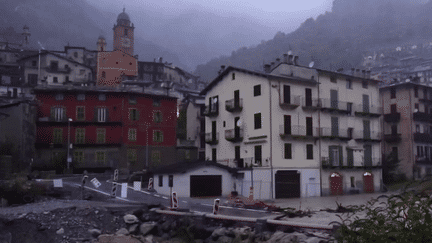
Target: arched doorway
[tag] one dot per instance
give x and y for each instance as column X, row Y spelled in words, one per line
column 368, row 182
column 336, row 187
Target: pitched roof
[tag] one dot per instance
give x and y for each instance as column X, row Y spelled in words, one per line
column 56, row 55
column 186, row 166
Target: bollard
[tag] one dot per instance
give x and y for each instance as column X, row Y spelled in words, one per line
column 174, row 201
column 84, row 179
column 114, row 189
column 216, row 206
column 124, row 190
column 150, row 184
column 116, row 174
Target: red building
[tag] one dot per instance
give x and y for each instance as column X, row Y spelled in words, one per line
column 106, row 128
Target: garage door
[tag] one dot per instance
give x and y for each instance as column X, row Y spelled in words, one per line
column 206, row 186
column 287, row 184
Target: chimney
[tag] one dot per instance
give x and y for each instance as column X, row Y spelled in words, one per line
column 352, row 71
column 160, row 59
column 295, row 60
column 277, row 61
column 267, row 68
column 285, row 58
column 290, row 59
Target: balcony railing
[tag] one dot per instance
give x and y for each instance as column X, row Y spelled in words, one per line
column 393, row 138
column 58, row 70
column 310, row 104
column 212, row 138
column 327, row 132
column 298, row 132
column 334, row 106
column 233, row 106
column 244, row 162
column 422, row 137
column 293, row 103
column 426, row 100
column 212, row 111
column 423, row 160
column 367, row 111
column 421, row 116
column 351, row 164
column 392, row 117
column 364, row 136
column 234, row 135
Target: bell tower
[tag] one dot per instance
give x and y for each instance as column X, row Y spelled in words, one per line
column 124, row 34
column 101, row 44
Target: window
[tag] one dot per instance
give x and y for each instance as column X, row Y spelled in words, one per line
column 132, row 134
column 55, row 80
column 416, row 92
column 132, row 156
column 102, row 97
column 157, row 116
column 80, row 113
column 213, row 154
column 224, row 123
column 101, row 114
column 333, row 79
column 67, row 79
column 103, row 74
column 349, row 84
column 309, row 151
column 58, row 114
column 80, row 136
column 417, row 128
column 100, row 157
column 32, row 79
column 125, row 31
column 59, row 97
column 82, row 71
column 349, row 108
column 133, row 114
column 156, row 157
column 79, row 158
column 364, row 84
column 156, row 103
column 350, row 132
column 393, row 109
column 66, row 66
column 392, row 93
column 81, row 97
column 132, row 100
column 258, row 154
column 157, row 136
column 257, row 121
column 352, row 181
column 100, row 135
column 75, row 54
column 233, row 76
column 187, row 154
column 57, row 135
column 161, row 181
column 288, row 151
column 34, row 63
column 54, row 65
column 257, row 90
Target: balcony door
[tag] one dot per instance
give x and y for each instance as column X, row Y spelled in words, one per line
column 394, row 130
column 236, row 127
column 213, row 130
column 309, row 130
column 366, row 103
column 334, row 99
column 367, row 155
column 334, row 155
column 308, row 97
column 287, row 94
column 287, row 124
column 366, row 129
column 236, row 98
column 335, row 127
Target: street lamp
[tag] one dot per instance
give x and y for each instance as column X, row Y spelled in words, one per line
column 69, row 145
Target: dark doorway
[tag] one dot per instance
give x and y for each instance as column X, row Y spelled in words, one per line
column 206, row 186
column 287, row 184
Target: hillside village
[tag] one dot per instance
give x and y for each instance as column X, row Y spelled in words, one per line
column 286, row 131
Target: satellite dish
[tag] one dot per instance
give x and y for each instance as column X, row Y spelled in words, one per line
column 289, row 52
column 415, row 110
column 215, row 100
column 311, row 64
column 239, row 123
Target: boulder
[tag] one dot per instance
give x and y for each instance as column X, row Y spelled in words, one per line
column 122, row 231
column 60, row 231
column 130, row 219
column 94, row 232
column 117, row 239
column 218, row 233
column 145, row 228
column 5, row 237
column 313, row 240
column 133, row 229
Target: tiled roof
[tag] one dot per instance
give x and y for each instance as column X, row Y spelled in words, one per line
column 187, row 166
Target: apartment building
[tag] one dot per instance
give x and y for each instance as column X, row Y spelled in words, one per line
column 295, row 131
column 408, row 126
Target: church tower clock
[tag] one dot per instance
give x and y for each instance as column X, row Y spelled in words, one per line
column 124, row 34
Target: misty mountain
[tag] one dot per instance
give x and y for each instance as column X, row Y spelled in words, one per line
column 339, row 38
column 55, row 24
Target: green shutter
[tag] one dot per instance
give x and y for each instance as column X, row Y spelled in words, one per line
column 340, row 156
column 350, row 157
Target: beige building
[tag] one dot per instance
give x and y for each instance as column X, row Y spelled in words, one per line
column 408, row 126
column 295, row 131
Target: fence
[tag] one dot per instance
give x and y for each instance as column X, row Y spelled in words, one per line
column 262, row 189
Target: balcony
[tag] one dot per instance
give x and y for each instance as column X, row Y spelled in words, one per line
column 341, row 134
column 293, row 103
column 334, row 106
column 364, row 136
column 392, row 117
column 233, row 106
column 423, row 160
column 244, row 162
column 112, row 142
column 234, row 135
column 200, row 116
column 425, row 100
column 422, row 137
column 373, row 163
column 423, row 117
column 298, row 132
column 51, row 121
column 310, row 104
column 213, row 112
column 212, row 138
column 367, row 111
column 393, row 138
column 66, row 70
